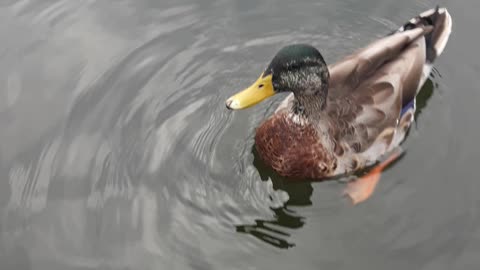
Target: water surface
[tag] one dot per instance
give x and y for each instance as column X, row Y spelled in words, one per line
column 117, row 152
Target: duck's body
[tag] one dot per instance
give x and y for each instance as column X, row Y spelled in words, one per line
column 363, row 107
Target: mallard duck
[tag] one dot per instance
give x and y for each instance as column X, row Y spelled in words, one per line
column 347, row 116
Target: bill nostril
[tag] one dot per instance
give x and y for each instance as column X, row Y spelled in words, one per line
column 228, row 103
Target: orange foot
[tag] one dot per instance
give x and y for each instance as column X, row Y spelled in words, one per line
column 362, row 188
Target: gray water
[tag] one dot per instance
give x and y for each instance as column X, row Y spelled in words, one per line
column 117, row 152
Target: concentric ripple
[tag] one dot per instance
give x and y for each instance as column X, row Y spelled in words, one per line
column 117, row 151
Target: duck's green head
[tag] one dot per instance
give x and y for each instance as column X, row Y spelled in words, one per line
column 295, row 68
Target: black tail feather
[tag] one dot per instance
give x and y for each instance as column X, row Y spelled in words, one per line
column 435, row 19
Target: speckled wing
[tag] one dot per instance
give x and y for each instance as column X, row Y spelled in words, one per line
column 347, row 74
column 369, row 89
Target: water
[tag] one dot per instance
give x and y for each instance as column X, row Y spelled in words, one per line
column 117, row 152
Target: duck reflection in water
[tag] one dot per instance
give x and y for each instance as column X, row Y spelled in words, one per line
column 299, row 193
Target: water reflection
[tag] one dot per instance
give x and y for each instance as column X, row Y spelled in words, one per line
column 272, row 236
column 425, row 94
column 298, row 195
column 116, row 151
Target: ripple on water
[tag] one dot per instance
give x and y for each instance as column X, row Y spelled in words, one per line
column 140, row 163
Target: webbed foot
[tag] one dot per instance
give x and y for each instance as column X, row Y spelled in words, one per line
column 363, row 187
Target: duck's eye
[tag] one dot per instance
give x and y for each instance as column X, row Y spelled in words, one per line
column 260, row 86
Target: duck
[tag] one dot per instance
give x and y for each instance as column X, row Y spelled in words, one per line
column 339, row 119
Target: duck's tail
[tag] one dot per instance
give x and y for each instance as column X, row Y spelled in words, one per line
column 440, row 22
column 437, row 39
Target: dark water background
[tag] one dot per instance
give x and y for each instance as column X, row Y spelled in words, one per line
column 116, row 151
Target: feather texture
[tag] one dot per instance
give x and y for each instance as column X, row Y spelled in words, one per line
column 369, row 107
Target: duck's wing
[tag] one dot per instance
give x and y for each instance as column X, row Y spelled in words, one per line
column 353, row 71
column 369, row 88
column 432, row 26
column 374, row 105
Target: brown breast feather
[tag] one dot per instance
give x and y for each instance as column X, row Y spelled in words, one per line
column 293, row 150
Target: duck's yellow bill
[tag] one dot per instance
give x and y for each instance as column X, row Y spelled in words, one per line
column 257, row 92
